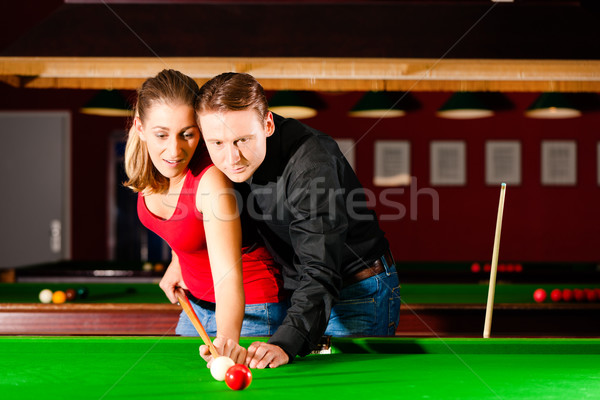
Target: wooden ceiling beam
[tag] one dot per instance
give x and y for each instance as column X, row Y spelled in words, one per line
column 318, row 74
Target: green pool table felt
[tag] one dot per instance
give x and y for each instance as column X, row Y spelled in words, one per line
column 110, row 368
column 412, row 293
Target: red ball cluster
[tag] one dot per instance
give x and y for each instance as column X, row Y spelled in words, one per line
column 567, row 295
column 502, row 267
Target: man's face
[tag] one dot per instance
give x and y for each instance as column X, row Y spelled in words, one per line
column 236, row 141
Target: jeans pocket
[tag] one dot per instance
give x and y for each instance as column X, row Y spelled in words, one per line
column 365, row 289
column 353, row 317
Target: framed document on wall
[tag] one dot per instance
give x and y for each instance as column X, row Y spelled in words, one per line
column 503, row 162
column 392, row 163
column 448, row 163
column 559, row 162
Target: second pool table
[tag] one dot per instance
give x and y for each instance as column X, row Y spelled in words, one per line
column 427, row 310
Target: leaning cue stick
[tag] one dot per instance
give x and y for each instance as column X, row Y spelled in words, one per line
column 492, row 288
column 187, row 307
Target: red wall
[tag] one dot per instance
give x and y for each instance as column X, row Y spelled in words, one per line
column 540, row 223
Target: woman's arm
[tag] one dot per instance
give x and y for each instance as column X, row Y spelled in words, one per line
column 217, row 202
column 172, row 279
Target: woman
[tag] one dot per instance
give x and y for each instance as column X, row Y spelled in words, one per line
column 187, row 201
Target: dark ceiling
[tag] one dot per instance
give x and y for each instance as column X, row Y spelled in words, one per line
column 562, row 30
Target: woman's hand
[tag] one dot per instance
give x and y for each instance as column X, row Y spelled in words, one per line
column 172, row 281
column 225, row 347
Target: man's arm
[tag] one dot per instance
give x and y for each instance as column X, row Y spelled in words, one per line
column 317, row 230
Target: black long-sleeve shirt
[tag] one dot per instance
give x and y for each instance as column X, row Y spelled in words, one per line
column 311, row 211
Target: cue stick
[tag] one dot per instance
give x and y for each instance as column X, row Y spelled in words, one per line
column 187, row 307
column 492, row 287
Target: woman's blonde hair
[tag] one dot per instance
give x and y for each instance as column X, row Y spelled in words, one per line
column 168, row 87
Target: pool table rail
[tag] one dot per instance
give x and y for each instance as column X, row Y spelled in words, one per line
column 88, row 319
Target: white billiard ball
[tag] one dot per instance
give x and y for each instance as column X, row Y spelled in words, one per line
column 219, row 367
column 46, row 296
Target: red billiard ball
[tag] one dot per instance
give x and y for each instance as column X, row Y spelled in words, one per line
column 567, row 295
column 578, row 294
column 590, row 295
column 539, row 295
column 556, row 295
column 475, row 268
column 487, row 268
column 238, row 377
column 519, row 268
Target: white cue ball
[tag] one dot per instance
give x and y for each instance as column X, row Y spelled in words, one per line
column 219, row 367
column 46, row 296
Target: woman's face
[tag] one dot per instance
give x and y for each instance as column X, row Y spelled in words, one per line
column 171, row 135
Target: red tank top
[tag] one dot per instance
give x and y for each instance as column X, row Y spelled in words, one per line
column 184, row 232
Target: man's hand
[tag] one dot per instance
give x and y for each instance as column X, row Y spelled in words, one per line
column 225, row 347
column 263, row 355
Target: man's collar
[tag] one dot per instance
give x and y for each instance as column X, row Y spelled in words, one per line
column 280, row 148
column 269, row 169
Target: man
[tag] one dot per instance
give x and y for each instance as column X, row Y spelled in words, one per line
column 311, row 211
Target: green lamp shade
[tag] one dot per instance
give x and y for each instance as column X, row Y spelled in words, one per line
column 552, row 105
column 465, row 105
column 107, row 103
column 296, row 104
column 383, row 105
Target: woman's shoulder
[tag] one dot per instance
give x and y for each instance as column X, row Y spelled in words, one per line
column 213, row 178
column 215, row 190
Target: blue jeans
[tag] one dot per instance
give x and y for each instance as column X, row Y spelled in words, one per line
column 259, row 319
column 370, row 307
